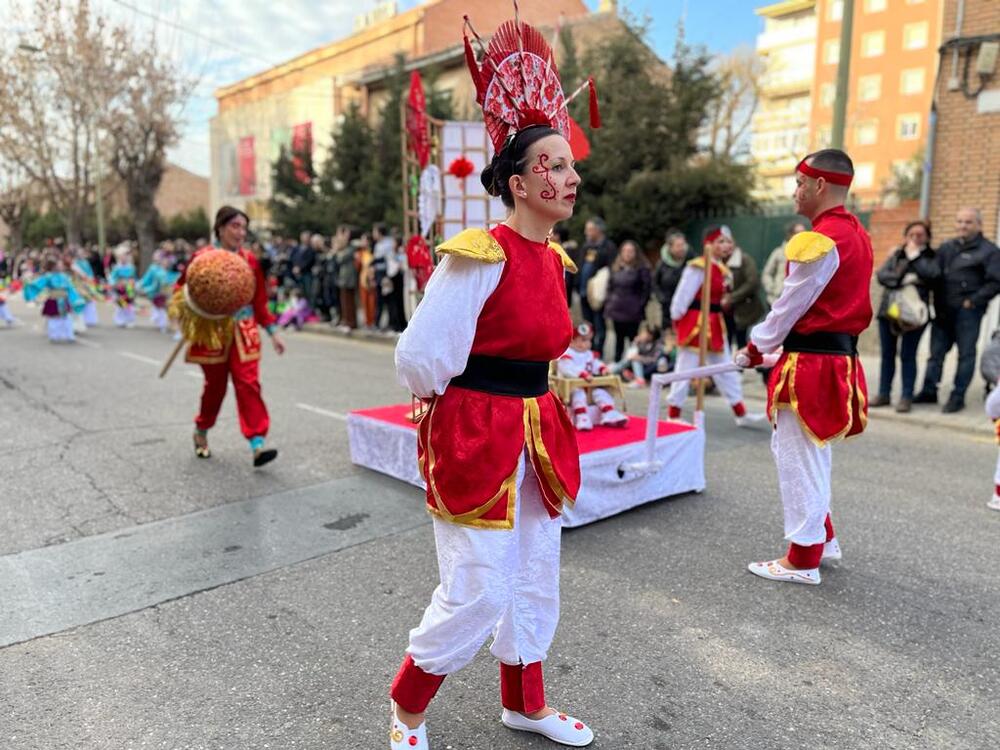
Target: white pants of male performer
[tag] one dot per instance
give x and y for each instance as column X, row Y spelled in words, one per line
column 5, row 315
column 493, row 581
column 729, row 383
column 803, row 478
column 124, row 316
column 60, row 328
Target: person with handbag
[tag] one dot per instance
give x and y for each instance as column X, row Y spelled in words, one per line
column 598, row 253
column 907, row 276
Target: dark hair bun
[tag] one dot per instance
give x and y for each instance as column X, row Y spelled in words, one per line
column 487, row 178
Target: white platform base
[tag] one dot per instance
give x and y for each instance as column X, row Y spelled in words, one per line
column 608, row 487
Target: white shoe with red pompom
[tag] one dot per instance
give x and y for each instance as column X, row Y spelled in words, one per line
column 582, row 421
column 773, row 570
column 401, row 737
column 560, row 728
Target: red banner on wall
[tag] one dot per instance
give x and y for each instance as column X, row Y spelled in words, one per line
column 248, row 166
column 302, row 146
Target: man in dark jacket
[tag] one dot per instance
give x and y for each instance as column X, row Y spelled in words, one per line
column 303, row 260
column 673, row 257
column 970, row 278
column 597, row 252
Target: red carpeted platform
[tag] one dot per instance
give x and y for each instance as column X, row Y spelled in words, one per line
column 385, row 440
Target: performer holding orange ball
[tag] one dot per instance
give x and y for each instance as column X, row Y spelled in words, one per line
column 226, row 343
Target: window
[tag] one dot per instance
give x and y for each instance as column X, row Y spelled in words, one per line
column 915, row 35
column 911, row 81
column 869, row 87
column 828, row 94
column 866, row 133
column 908, row 127
column 873, row 44
column 831, row 51
column 864, row 175
column 824, row 137
column 834, row 10
column 875, row 6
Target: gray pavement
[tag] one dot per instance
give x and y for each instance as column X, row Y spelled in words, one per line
column 665, row 641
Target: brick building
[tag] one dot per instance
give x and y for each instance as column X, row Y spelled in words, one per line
column 965, row 158
column 299, row 102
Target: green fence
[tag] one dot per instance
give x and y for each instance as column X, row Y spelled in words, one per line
column 756, row 233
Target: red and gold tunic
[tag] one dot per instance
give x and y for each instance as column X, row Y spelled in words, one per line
column 470, row 442
column 688, row 326
column 828, row 392
column 245, row 333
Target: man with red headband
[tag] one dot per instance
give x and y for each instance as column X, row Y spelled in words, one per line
column 817, row 392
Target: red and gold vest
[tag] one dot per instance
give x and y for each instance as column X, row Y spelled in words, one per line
column 828, row 392
column 688, row 327
column 470, row 442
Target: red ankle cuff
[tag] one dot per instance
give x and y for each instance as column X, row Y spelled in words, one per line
column 828, row 524
column 414, row 688
column 805, row 557
column 522, row 687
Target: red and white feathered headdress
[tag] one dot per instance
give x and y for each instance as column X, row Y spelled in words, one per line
column 517, row 82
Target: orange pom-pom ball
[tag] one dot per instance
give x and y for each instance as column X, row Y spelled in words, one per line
column 219, row 283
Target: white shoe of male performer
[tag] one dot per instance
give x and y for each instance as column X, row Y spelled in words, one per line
column 831, row 552
column 750, row 419
column 557, row 727
column 994, row 502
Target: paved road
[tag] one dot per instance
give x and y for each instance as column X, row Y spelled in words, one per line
column 278, row 611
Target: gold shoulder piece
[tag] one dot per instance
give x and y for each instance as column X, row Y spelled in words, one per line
column 567, row 262
column 808, row 247
column 477, row 244
column 698, row 262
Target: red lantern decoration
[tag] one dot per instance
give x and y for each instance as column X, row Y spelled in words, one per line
column 461, row 168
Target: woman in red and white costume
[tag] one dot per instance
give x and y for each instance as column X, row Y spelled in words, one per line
column 817, row 392
column 685, row 312
column 496, row 448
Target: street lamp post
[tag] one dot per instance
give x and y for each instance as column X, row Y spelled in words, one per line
column 843, row 73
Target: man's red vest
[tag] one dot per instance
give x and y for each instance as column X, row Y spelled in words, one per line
column 688, row 327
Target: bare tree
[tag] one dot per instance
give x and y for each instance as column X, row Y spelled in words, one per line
column 731, row 113
column 143, row 122
column 53, row 93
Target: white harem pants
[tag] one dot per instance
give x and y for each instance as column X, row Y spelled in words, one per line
column 729, row 383
column 803, row 479
column 504, row 582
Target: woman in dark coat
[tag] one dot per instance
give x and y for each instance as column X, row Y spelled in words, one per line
column 913, row 263
column 628, row 292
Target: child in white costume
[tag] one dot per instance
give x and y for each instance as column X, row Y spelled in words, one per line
column 993, row 412
column 580, row 361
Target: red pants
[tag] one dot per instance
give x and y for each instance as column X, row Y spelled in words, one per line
column 249, row 404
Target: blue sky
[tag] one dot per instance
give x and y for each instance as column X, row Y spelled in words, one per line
column 223, row 41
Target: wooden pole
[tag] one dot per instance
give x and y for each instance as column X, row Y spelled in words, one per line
column 704, row 322
column 172, row 357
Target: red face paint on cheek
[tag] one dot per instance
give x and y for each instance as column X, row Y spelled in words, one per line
column 541, row 168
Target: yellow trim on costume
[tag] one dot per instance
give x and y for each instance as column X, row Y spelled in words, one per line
column 699, row 263
column 537, row 449
column 477, row 244
column 472, row 517
column 567, row 262
column 790, row 367
column 808, row 247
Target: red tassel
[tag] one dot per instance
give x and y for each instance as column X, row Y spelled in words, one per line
column 470, row 60
column 595, row 113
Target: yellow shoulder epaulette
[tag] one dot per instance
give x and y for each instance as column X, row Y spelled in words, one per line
column 808, row 247
column 699, row 262
column 477, row 244
column 567, row 262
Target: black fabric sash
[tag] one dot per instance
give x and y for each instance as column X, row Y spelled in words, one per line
column 504, row 377
column 821, row 342
column 696, row 305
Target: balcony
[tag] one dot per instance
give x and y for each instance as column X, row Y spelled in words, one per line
column 786, row 82
column 787, row 35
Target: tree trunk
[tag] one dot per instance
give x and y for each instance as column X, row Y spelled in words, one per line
column 73, row 227
column 16, row 236
column 144, row 220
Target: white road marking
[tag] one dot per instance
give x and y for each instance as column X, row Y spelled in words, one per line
column 140, row 358
column 324, row 412
column 91, row 344
column 191, row 374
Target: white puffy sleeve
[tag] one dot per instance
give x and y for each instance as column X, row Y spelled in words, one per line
column 803, row 285
column 435, row 346
column 684, row 294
